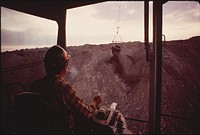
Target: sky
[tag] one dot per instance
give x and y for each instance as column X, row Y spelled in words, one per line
column 97, row 24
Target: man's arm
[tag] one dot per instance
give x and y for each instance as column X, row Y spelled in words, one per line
column 69, row 97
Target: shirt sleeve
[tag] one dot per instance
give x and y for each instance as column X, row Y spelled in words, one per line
column 67, row 94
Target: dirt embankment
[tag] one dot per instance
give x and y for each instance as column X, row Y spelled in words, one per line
column 91, row 73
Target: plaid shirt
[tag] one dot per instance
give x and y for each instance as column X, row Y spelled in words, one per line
column 67, row 93
column 55, row 87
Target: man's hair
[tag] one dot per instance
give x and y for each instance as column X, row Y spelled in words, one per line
column 54, row 60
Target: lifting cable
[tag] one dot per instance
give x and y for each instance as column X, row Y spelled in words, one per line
column 117, row 38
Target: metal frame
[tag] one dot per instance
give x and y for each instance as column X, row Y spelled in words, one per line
column 146, row 29
column 61, row 20
column 156, row 70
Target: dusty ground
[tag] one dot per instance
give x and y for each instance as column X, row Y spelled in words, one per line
column 91, row 73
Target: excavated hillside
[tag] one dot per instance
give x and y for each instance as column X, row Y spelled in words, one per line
column 92, row 72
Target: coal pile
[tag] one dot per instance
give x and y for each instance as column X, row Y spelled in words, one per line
column 92, row 73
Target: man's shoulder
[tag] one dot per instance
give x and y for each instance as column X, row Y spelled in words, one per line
column 57, row 80
column 61, row 82
column 35, row 85
column 38, row 84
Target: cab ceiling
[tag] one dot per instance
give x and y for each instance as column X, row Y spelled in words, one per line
column 46, row 9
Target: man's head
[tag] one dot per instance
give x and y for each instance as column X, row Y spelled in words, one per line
column 55, row 60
